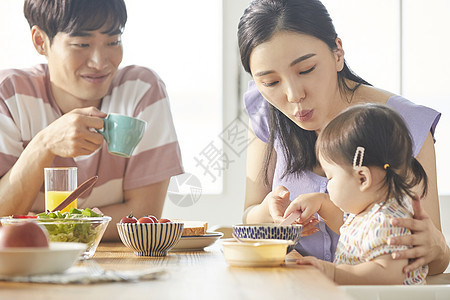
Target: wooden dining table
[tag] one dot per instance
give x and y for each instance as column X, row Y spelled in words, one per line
column 196, row 275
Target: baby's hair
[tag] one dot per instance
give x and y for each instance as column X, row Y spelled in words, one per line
column 386, row 141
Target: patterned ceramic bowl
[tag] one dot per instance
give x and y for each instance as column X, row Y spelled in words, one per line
column 269, row 231
column 150, row 239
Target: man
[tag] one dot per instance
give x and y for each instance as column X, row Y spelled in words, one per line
column 49, row 113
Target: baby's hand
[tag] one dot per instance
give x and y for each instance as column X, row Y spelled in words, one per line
column 325, row 267
column 307, row 204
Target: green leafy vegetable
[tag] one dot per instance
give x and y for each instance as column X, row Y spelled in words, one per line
column 63, row 228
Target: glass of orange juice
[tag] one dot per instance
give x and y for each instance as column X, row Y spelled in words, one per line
column 59, row 183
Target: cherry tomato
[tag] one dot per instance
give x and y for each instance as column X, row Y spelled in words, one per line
column 129, row 219
column 162, row 220
column 146, row 219
column 24, row 217
column 155, row 219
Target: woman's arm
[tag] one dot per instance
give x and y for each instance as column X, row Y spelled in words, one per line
column 256, row 210
column 429, row 243
column 147, row 200
column 262, row 204
column 427, row 158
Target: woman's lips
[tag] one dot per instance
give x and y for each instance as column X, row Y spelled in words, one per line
column 304, row 115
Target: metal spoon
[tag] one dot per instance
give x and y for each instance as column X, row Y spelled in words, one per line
column 77, row 193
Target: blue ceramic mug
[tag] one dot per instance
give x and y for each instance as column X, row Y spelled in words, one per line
column 122, row 133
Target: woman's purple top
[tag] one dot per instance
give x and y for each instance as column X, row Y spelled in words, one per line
column 420, row 121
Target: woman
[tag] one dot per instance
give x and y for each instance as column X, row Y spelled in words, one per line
column 296, row 59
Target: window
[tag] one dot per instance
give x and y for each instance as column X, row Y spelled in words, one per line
column 401, row 46
column 182, row 42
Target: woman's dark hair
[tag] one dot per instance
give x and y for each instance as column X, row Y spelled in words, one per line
column 74, row 16
column 386, row 141
column 260, row 21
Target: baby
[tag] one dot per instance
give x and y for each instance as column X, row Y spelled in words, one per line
column 366, row 154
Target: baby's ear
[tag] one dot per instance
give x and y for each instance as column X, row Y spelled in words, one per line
column 364, row 177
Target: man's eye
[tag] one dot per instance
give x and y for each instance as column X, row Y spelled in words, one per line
column 307, row 71
column 269, row 84
column 81, row 45
column 115, row 43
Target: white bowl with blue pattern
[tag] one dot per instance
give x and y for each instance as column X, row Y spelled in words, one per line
column 150, row 239
column 269, row 231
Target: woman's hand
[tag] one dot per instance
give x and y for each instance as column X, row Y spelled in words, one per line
column 71, row 134
column 428, row 242
column 278, row 200
column 309, row 226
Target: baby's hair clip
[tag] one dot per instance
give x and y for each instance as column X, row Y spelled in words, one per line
column 358, row 153
column 386, row 166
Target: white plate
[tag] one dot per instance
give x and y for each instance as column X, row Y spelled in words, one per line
column 197, row 242
column 26, row 261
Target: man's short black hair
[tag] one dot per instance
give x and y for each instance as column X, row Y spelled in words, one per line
column 76, row 16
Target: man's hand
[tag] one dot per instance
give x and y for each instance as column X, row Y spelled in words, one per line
column 72, row 134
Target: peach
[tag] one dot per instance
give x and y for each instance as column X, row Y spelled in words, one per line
column 26, row 234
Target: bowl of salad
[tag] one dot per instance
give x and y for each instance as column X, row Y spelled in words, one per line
column 76, row 226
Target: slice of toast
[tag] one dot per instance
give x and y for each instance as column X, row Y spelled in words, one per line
column 193, row 227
